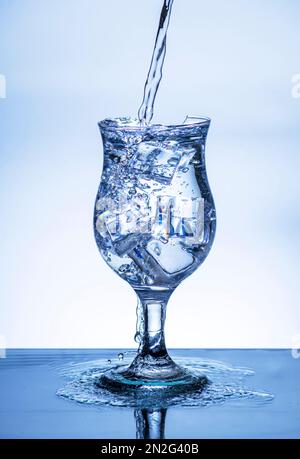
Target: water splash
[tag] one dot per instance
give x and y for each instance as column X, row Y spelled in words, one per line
column 226, row 384
column 145, row 113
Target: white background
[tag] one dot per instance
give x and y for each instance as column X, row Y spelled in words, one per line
column 70, row 63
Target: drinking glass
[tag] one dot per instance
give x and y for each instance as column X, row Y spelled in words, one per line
column 154, row 225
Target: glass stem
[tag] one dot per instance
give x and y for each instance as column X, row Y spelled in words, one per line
column 151, row 315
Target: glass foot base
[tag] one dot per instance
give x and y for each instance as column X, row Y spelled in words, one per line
column 125, row 380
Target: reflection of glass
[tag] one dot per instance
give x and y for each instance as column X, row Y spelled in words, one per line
column 150, row 423
column 154, row 225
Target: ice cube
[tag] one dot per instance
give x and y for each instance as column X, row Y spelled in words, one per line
column 125, row 233
column 161, row 223
column 170, row 257
column 186, row 154
column 108, row 224
column 123, row 217
column 100, row 225
column 179, row 217
column 126, row 244
column 155, row 161
column 152, row 271
column 187, row 219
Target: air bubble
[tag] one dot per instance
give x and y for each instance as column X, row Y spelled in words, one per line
column 149, row 280
column 173, row 161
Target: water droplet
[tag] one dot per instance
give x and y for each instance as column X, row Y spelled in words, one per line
column 108, row 361
column 120, row 356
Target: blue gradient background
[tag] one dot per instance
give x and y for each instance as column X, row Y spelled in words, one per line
column 70, row 63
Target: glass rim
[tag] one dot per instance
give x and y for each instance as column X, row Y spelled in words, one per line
column 114, row 123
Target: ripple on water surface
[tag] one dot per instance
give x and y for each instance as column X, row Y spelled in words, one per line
column 226, row 383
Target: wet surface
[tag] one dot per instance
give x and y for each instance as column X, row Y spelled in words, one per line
column 51, row 394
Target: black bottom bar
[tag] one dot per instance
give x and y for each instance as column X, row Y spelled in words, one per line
column 138, row 448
